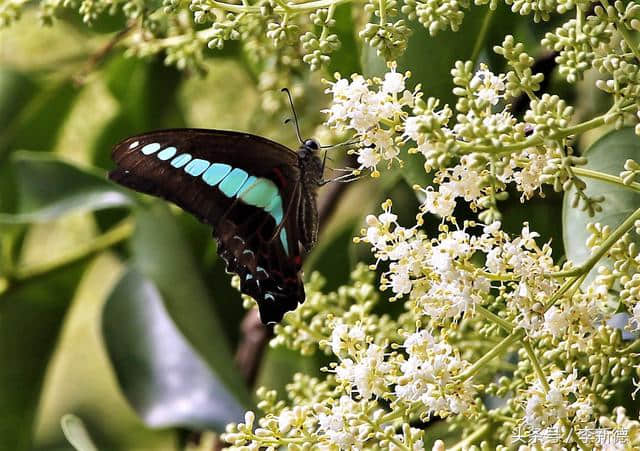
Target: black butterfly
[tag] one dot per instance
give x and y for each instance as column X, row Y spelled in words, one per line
column 259, row 197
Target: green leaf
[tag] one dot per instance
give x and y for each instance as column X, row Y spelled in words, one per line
column 413, row 171
column 161, row 375
column 541, row 214
column 146, row 90
column 147, row 95
column 346, row 59
column 75, row 431
column 38, row 124
column 280, row 364
column 31, row 315
column 331, row 256
column 16, row 89
column 162, row 254
column 607, row 155
column 49, row 188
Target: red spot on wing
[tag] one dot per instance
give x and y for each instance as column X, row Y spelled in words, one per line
column 297, row 260
column 281, row 179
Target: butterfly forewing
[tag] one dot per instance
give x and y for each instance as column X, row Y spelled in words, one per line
column 246, row 187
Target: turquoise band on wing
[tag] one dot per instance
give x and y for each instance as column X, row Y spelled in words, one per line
column 233, row 182
column 196, row 167
column 167, row 154
column 180, row 160
column 215, row 173
column 256, row 191
column 151, row 148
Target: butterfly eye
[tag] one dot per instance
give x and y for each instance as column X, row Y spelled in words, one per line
column 311, row 144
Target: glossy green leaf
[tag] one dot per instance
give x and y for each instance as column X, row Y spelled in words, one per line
column 146, row 90
column 49, row 188
column 38, row 124
column 541, row 213
column 161, row 253
column 31, row 315
column 346, row 59
column 162, row 376
column 331, row 256
column 413, row 171
column 77, row 434
column 147, row 96
column 607, row 155
column 280, row 364
column 16, row 89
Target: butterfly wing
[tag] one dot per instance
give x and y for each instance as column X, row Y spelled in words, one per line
column 246, row 187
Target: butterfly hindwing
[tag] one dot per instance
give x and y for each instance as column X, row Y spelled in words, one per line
column 246, row 187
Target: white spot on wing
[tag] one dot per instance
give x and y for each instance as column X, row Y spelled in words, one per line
column 134, row 144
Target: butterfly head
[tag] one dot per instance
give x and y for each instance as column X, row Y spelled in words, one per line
column 310, row 145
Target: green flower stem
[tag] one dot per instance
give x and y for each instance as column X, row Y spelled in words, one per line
column 325, row 29
column 587, row 266
column 506, row 325
column 482, row 36
column 283, row 5
column 537, row 368
column 117, row 234
column 377, row 425
column 281, row 8
column 633, row 347
column 624, row 32
column 467, row 266
column 623, row 228
column 603, row 177
column 496, row 351
column 464, row 444
column 534, row 140
column 383, row 12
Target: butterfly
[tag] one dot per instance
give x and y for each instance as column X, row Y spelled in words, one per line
column 259, row 196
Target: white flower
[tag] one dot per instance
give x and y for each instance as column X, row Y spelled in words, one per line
column 335, row 424
column 429, row 376
column 393, row 82
column 555, row 321
column 400, row 283
column 487, row 85
column 368, row 158
column 412, row 127
column 635, row 318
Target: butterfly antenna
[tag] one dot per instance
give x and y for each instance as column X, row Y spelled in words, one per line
column 348, row 142
column 295, row 116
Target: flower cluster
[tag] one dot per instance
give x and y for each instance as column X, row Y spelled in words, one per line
column 557, row 402
column 480, row 149
column 369, row 112
column 441, row 280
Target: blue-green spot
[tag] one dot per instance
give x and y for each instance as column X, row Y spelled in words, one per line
column 275, row 209
column 215, row 173
column 283, row 240
column 196, row 167
column 258, row 192
column 151, row 148
column 232, row 182
column 180, row 160
column 167, row 153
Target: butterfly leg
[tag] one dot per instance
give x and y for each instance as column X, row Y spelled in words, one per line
column 345, row 178
column 294, row 198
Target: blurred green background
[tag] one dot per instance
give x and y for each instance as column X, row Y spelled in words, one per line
column 113, row 306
